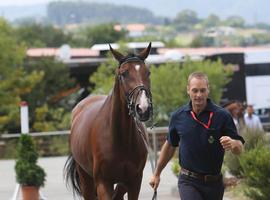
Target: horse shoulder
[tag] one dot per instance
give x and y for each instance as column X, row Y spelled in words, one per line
column 84, row 104
column 82, row 121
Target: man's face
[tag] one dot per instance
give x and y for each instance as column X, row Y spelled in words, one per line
column 250, row 110
column 198, row 91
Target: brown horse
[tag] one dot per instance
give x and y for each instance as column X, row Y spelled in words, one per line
column 237, row 109
column 107, row 140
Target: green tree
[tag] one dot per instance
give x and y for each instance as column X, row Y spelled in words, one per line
column 210, row 21
column 14, row 80
column 235, row 21
column 51, row 119
column 103, row 78
column 260, row 39
column 168, row 83
column 202, row 41
column 40, row 35
column 50, row 107
column 99, row 34
column 71, row 12
column 170, row 93
column 185, row 20
column 261, row 25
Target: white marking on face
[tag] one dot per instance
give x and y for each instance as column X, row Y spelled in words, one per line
column 143, row 105
column 137, row 67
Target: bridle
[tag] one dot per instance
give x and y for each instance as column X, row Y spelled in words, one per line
column 132, row 96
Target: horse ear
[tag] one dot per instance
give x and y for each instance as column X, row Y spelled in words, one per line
column 118, row 56
column 144, row 53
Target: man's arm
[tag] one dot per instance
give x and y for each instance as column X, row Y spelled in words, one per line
column 167, row 152
column 228, row 143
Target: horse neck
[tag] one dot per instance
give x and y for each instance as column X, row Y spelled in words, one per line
column 122, row 123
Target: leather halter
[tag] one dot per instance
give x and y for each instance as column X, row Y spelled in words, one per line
column 135, row 91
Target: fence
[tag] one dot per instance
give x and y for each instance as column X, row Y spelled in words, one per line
column 56, row 143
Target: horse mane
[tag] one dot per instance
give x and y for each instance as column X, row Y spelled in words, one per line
column 229, row 103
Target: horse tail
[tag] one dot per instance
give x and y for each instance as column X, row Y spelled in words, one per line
column 71, row 176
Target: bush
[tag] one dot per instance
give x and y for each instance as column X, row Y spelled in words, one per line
column 253, row 138
column 28, row 173
column 175, row 166
column 233, row 164
column 256, row 170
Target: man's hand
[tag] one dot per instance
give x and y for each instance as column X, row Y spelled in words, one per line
column 226, row 142
column 154, row 182
column 229, row 144
column 166, row 154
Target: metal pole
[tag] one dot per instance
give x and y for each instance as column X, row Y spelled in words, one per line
column 24, row 130
column 24, row 118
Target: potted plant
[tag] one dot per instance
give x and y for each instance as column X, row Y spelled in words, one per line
column 28, row 174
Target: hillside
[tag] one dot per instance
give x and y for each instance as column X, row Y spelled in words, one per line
column 62, row 13
column 252, row 11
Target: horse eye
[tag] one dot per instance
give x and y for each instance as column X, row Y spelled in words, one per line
column 148, row 73
column 125, row 73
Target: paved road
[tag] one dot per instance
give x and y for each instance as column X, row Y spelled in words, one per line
column 55, row 187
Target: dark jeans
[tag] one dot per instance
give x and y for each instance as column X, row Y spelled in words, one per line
column 194, row 189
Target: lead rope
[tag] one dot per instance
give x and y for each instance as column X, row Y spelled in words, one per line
column 145, row 140
column 149, row 150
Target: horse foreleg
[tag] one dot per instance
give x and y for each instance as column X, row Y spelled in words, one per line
column 87, row 185
column 104, row 190
column 134, row 188
column 119, row 191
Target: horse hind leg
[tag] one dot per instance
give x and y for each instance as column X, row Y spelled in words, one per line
column 119, row 192
column 81, row 183
column 87, row 185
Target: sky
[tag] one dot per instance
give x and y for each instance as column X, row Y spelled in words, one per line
column 22, row 2
column 252, row 11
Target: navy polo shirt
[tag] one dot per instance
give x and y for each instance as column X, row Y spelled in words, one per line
column 196, row 152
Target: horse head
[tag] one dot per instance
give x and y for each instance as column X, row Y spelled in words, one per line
column 134, row 78
column 236, row 108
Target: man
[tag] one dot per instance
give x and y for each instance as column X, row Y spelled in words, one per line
column 252, row 121
column 203, row 131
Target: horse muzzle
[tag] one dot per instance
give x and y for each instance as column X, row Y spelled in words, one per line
column 143, row 114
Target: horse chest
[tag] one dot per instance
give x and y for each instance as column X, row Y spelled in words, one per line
column 123, row 170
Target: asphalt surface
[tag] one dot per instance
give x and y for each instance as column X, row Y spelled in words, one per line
column 55, row 188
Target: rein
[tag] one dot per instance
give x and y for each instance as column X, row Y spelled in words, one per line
column 149, row 150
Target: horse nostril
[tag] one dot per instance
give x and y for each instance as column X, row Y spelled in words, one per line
column 138, row 109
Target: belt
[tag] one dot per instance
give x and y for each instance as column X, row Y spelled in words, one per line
column 201, row 177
